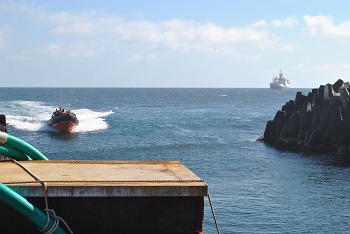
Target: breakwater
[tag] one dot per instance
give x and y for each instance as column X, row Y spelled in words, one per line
column 316, row 122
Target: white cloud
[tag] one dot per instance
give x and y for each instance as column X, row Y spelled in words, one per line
column 260, row 23
column 290, row 21
column 175, row 34
column 96, row 32
column 72, row 50
column 325, row 26
column 136, row 57
column 88, row 23
column 322, row 67
column 51, row 49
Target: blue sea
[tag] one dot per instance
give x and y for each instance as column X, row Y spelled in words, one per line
column 254, row 188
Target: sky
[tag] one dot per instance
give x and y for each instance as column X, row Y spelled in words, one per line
column 182, row 43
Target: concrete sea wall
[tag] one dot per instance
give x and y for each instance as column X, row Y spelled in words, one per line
column 317, row 122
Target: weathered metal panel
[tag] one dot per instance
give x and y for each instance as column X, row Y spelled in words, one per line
column 103, row 179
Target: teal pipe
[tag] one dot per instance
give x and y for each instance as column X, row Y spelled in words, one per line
column 13, row 153
column 25, row 148
column 19, row 150
column 21, row 205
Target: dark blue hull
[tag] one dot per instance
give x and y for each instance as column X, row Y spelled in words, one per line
column 64, row 122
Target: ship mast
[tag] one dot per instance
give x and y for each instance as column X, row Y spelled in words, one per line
column 61, row 98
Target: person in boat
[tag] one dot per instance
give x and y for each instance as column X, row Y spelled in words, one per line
column 54, row 114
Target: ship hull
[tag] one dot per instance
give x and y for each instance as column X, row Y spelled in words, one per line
column 64, row 122
column 277, row 86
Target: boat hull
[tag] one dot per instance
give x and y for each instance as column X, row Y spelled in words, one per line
column 64, row 123
column 277, row 86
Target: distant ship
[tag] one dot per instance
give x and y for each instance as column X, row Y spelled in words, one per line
column 279, row 82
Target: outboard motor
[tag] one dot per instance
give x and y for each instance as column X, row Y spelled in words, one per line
column 3, row 123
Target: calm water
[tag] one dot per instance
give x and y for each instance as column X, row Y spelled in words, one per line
column 254, row 188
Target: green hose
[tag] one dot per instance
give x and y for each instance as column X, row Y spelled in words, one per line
column 13, row 153
column 16, row 148
column 25, row 148
column 21, row 205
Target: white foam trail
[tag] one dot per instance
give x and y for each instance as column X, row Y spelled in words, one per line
column 32, row 116
column 90, row 120
column 27, row 115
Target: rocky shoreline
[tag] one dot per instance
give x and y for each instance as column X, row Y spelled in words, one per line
column 318, row 122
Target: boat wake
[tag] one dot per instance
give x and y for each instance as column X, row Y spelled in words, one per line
column 32, row 116
column 90, row 120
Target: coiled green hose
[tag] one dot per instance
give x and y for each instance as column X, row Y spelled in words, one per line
column 13, row 153
column 26, row 148
column 21, row 205
column 16, row 148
